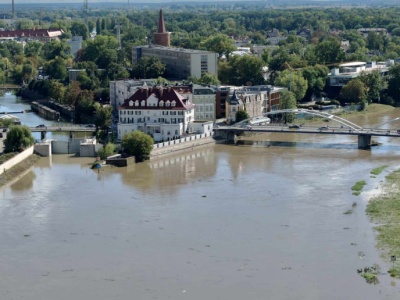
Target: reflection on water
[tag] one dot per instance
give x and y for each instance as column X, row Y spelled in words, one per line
column 221, row 222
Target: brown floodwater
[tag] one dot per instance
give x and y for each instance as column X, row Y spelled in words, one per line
column 263, row 221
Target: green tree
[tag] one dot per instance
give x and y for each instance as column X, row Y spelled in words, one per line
column 375, row 83
column 316, row 79
column 288, row 101
column 57, row 69
column 103, row 117
column 242, row 70
column 219, row 43
column 57, row 91
column 294, row 81
column 329, row 51
column 107, row 150
column 80, row 29
column 148, row 67
column 33, row 49
column 354, row 91
column 138, row 144
column 394, row 83
column 19, row 137
column 241, row 115
column 56, row 48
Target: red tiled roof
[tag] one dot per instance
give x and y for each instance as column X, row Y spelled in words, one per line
column 31, row 33
column 161, row 93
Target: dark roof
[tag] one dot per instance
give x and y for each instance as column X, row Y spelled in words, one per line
column 162, row 94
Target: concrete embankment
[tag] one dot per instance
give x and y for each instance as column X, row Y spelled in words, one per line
column 181, row 147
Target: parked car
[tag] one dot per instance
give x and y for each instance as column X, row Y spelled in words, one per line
column 40, row 126
column 1, row 135
column 90, row 126
column 323, row 128
column 294, row 126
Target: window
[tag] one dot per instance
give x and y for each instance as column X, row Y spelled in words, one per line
column 161, row 103
column 167, row 103
column 143, row 103
column 137, row 103
column 173, row 103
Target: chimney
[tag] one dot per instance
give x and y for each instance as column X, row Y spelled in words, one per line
column 161, row 23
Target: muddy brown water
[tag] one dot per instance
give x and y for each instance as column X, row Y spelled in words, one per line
column 220, row 222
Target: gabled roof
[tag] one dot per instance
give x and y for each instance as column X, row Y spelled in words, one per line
column 160, row 93
column 32, row 33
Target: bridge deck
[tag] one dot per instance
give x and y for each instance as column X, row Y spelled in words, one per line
column 62, row 129
column 310, row 130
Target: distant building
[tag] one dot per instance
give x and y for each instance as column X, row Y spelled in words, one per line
column 204, row 101
column 123, row 89
column 42, row 35
column 180, row 63
column 340, row 76
column 255, row 100
column 74, row 73
column 158, row 111
column 14, row 119
column 76, row 44
column 366, row 31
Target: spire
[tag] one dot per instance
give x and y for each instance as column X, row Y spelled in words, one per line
column 161, row 24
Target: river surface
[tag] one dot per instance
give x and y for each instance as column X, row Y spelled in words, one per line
column 219, row 222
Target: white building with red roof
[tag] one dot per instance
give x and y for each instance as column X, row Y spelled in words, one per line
column 158, row 111
column 42, row 35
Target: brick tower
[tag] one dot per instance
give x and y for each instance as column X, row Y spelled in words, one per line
column 162, row 37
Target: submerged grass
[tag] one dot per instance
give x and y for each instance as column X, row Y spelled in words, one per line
column 357, row 188
column 385, row 211
column 378, row 170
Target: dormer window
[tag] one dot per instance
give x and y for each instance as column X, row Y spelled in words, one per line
column 161, row 103
column 143, row 103
column 130, row 103
column 173, row 103
column 167, row 103
column 137, row 103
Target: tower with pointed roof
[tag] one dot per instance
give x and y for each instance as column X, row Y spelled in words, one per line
column 162, row 37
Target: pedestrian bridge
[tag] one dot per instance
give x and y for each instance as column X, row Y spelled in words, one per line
column 341, row 127
column 70, row 129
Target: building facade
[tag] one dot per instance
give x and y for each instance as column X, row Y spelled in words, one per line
column 26, row 35
column 158, row 111
column 204, row 101
column 179, row 63
column 123, row 89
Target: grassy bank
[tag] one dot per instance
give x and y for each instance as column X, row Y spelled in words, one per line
column 384, row 210
column 18, row 169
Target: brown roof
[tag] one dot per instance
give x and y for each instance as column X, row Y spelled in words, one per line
column 161, row 93
column 32, row 33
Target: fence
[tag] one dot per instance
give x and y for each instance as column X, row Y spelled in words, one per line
column 182, row 140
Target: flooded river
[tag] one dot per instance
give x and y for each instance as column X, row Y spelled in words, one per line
column 220, row 222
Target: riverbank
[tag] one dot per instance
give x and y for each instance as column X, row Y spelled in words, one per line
column 17, row 171
column 384, row 211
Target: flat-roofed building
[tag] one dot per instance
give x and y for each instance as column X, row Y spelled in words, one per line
column 180, row 63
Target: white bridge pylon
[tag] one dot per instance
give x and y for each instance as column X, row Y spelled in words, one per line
column 318, row 114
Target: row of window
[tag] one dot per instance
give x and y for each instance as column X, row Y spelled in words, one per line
column 139, row 112
column 143, row 120
column 160, row 103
